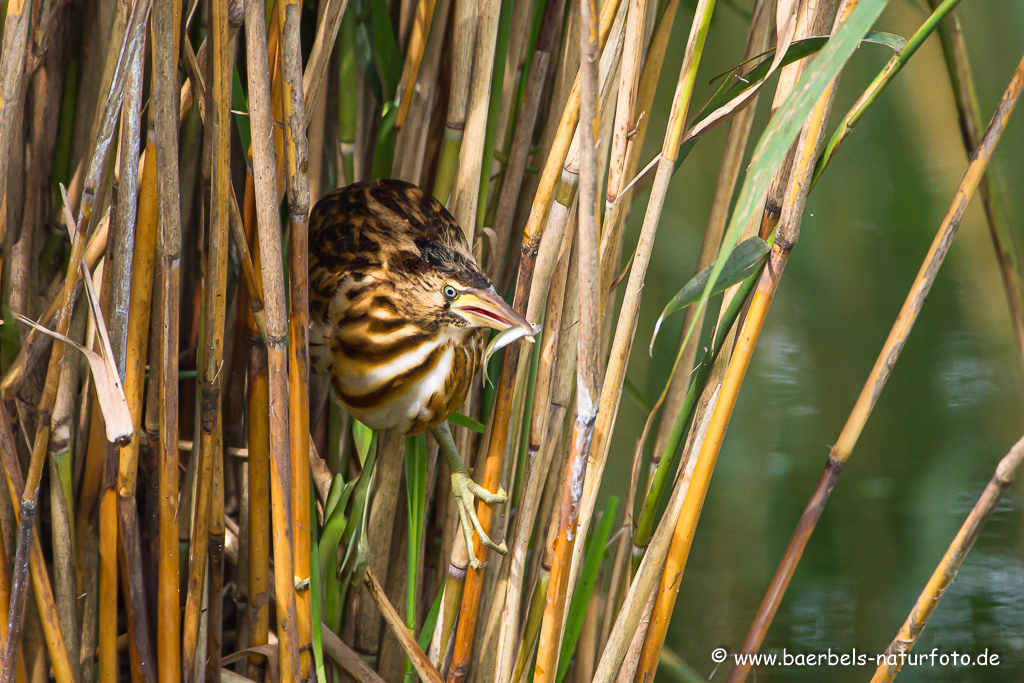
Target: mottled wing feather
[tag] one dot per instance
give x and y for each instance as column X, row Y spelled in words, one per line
column 363, row 239
column 385, row 224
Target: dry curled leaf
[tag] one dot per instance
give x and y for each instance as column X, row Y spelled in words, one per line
column 116, row 416
column 785, row 22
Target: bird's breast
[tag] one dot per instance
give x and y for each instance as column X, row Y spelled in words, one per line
column 404, row 377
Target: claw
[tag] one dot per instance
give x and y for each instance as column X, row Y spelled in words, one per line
column 466, row 491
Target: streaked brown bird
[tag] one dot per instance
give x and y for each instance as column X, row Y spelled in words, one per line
column 399, row 316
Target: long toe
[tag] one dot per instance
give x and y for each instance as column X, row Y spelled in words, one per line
column 467, row 531
column 484, row 538
column 486, row 496
column 466, row 492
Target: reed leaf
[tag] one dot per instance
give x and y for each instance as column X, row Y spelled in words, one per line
column 746, row 258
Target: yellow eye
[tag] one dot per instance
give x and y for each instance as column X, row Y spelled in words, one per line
column 449, row 292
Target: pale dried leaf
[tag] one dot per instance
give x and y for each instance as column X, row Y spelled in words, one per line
column 118, row 422
column 785, row 22
column 108, row 390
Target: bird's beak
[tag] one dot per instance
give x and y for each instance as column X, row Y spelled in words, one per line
column 483, row 307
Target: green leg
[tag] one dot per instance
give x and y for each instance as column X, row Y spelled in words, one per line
column 466, row 491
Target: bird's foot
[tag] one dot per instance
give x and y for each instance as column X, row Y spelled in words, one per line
column 466, row 491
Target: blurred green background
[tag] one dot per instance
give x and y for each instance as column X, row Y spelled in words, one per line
column 952, row 407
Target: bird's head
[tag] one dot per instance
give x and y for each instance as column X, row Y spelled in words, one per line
column 400, row 247
column 452, row 289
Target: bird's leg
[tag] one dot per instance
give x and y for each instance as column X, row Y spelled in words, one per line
column 465, row 490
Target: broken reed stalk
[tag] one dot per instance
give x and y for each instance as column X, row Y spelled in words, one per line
column 587, row 362
column 466, row 190
column 463, row 38
column 296, row 155
column 95, row 182
column 969, row 114
column 160, row 204
column 615, row 373
column 217, row 141
column 399, row 629
column 941, row 579
column 348, row 659
column 879, row 375
column 35, row 343
column 268, row 223
column 12, row 70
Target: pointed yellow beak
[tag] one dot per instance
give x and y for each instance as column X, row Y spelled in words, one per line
column 484, row 308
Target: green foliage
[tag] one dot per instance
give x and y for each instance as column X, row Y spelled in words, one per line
column 315, row 587
column 466, row 421
column 588, row 578
column 363, row 438
column 387, row 58
column 784, row 128
column 427, row 632
column 10, row 342
column 416, row 495
column 745, row 259
column 241, row 107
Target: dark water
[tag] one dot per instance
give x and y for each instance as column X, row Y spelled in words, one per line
column 950, row 411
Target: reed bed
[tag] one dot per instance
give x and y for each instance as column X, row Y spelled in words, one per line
column 210, row 515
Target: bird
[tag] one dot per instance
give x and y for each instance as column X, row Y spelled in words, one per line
column 400, row 312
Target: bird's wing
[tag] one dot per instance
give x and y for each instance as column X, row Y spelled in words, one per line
column 384, row 224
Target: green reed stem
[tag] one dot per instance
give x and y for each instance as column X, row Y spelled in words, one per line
column 531, row 628
column 448, row 164
column 494, row 109
column 524, row 439
column 669, row 457
column 346, row 45
column 416, row 491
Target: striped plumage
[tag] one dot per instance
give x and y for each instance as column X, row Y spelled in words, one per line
column 398, row 305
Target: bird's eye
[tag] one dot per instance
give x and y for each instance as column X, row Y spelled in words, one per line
column 449, row 292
